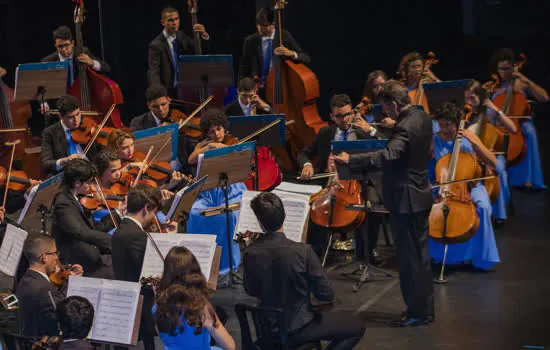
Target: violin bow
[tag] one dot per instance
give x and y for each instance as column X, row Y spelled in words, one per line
column 141, row 168
column 104, row 200
column 12, row 144
column 92, row 140
column 259, row 131
column 155, row 245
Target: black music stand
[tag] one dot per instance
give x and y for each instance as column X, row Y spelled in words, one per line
column 443, row 91
column 242, row 126
column 226, row 166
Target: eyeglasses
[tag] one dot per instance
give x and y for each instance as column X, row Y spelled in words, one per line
column 62, row 46
column 343, row 115
column 50, row 253
column 504, row 68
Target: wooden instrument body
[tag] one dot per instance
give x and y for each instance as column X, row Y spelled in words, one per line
column 419, row 98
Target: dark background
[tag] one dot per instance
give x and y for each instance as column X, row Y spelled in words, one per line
column 346, row 39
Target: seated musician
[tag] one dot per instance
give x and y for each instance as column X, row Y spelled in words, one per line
column 184, row 315
column 128, row 247
column 76, row 317
column 213, row 124
column 477, row 97
column 58, row 146
column 262, row 43
column 289, row 285
column 528, row 173
column 481, row 249
column 165, row 49
column 347, row 127
column 248, row 102
column 37, row 295
column 373, row 87
column 79, row 238
column 410, row 68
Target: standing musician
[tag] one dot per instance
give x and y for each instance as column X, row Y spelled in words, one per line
column 481, row 249
column 528, row 172
column 259, row 47
column 412, row 76
column 348, row 126
column 165, row 49
column 283, row 274
column 248, row 102
column 79, row 238
column 129, row 242
column 37, row 295
column 58, row 146
column 407, row 195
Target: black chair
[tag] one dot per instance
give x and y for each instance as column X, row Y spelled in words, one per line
column 270, row 335
column 12, row 341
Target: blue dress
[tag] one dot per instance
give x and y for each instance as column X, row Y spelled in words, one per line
column 529, row 169
column 217, row 224
column 186, row 339
column 481, row 249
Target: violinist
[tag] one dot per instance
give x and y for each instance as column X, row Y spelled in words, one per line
column 58, row 146
column 165, row 49
column 248, row 102
column 78, row 236
column 373, row 87
column 259, row 48
column 406, row 194
column 37, row 296
column 528, row 173
column 481, row 249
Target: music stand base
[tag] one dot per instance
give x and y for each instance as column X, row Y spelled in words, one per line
column 359, row 282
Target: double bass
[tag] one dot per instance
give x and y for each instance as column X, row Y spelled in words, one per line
column 95, row 91
column 292, row 89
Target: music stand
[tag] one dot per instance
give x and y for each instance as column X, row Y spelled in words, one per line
column 443, row 91
column 243, row 126
column 226, row 166
column 48, row 79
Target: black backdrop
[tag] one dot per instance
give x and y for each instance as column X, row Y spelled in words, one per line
column 346, row 38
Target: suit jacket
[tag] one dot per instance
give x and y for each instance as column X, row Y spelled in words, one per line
column 234, row 110
column 54, row 57
column 404, row 163
column 282, row 273
column 161, row 66
column 37, row 316
column 252, row 59
column 79, row 239
column 128, row 247
column 80, row 344
column 55, row 146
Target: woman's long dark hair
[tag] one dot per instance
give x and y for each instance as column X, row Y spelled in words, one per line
column 367, row 92
column 181, row 267
column 482, row 93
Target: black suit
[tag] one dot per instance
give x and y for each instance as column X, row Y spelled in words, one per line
column 79, row 239
column 54, row 57
column 129, row 242
column 234, row 110
column 408, row 196
column 161, row 65
column 282, row 273
column 251, row 64
column 37, row 316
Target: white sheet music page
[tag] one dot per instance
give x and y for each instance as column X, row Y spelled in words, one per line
column 12, row 249
column 247, row 220
column 176, row 201
column 203, row 248
column 298, row 188
column 152, row 263
column 86, row 287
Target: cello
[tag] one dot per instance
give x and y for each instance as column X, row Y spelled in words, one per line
column 95, row 91
column 292, row 89
column 417, row 95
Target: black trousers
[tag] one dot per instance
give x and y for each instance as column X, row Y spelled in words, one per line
column 342, row 328
column 410, row 234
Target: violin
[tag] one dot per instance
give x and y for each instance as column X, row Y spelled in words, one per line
column 86, row 131
column 191, row 128
column 122, row 185
column 92, row 200
column 156, row 172
column 18, row 181
column 61, row 274
column 47, row 343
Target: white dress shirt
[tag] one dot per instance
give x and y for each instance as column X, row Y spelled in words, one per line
column 58, row 165
column 96, row 66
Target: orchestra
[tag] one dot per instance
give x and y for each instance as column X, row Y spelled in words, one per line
column 443, row 177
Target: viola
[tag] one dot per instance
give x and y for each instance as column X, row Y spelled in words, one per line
column 19, row 180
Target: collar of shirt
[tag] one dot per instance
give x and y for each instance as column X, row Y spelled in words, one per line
column 42, row 273
column 61, row 58
column 134, row 220
column 65, row 128
column 170, row 38
column 246, row 108
column 157, row 119
column 340, row 133
column 271, row 37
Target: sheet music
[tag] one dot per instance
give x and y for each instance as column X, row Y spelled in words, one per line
column 12, row 249
column 247, row 220
column 298, row 188
column 30, row 198
column 89, row 288
column 152, row 263
column 203, row 248
column 176, row 201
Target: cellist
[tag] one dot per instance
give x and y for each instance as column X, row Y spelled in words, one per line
column 412, row 76
column 481, row 249
column 528, row 172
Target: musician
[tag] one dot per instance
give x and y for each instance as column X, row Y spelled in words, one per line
column 37, row 295
column 528, row 172
column 258, row 48
column 373, row 87
column 165, row 49
column 79, row 238
column 76, row 317
column 347, row 127
column 406, row 194
column 129, row 242
column 410, row 69
column 282, row 273
column 481, row 249
column 248, row 102
column 58, row 146
column 213, row 127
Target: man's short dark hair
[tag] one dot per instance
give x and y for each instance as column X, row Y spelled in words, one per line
column 394, row 91
column 269, row 211
column 213, row 117
column 155, row 91
column 78, row 170
column 265, row 17
column 67, row 104
column 62, row 33
column 35, row 246
column 501, row 55
column 339, row 100
column 168, row 9
column 246, row 84
column 448, row 111
column 141, row 195
column 75, row 315
column 103, row 160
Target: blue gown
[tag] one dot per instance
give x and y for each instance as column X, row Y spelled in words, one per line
column 529, row 169
column 481, row 249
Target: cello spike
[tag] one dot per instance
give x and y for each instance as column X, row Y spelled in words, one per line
column 441, row 278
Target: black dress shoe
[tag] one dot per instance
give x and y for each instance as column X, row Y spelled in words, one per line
column 411, row 322
column 374, row 258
